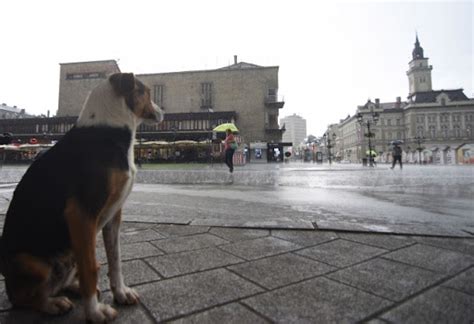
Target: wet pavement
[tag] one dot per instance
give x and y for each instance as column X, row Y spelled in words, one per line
column 423, row 200
column 289, row 244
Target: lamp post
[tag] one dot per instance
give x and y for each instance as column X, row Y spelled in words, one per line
column 327, row 139
column 419, row 140
column 371, row 121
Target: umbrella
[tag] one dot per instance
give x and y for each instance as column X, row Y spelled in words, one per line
column 226, row 126
column 396, row 142
column 371, row 151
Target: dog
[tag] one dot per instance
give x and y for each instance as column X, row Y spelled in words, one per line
column 67, row 196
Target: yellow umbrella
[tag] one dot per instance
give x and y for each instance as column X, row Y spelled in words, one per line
column 226, row 126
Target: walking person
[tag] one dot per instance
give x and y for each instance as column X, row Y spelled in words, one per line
column 397, row 155
column 229, row 148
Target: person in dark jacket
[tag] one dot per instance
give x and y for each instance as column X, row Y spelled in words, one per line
column 397, row 155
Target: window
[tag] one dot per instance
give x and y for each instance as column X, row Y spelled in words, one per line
column 398, row 122
column 206, row 95
column 389, row 122
column 158, row 94
column 457, row 131
column 445, row 131
column 432, row 131
column 420, row 119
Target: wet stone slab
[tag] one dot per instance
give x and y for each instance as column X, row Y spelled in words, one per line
column 188, row 243
column 463, row 245
column 387, row 279
column 341, row 253
column 176, row 264
column 174, row 297
column 463, row 282
column 317, row 300
column 259, row 248
column 230, row 314
column 255, row 223
column 179, row 230
column 305, row 238
column 388, row 242
column 281, row 270
column 440, row 305
column 238, row 234
column 432, row 258
column 130, row 251
column 135, row 272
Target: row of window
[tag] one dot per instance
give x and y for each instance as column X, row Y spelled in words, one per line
column 444, row 118
column 444, row 131
column 207, row 91
column 82, row 76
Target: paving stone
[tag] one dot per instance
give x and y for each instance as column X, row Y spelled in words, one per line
column 432, row 258
column 4, row 302
column 318, row 300
column 259, row 248
column 188, row 243
column 130, row 251
column 135, row 236
column 192, row 261
column 341, row 253
column 388, row 242
column 135, row 272
column 276, row 222
column 463, row 245
column 230, row 314
column 389, row 279
column 180, row 230
column 156, row 219
column 440, row 305
column 305, row 238
column 238, row 234
column 179, row 296
column 463, row 282
column 281, row 270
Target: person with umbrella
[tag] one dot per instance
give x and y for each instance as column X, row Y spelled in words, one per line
column 397, row 155
column 230, row 146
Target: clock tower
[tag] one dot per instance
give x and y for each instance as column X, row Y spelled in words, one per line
column 419, row 72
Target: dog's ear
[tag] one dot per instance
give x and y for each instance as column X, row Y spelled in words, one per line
column 123, row 83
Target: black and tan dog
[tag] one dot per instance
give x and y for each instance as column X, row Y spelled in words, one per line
column 67, row 196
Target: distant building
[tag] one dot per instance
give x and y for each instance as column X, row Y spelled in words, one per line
column 436, row 126
column 8, row 112
column 295, row 129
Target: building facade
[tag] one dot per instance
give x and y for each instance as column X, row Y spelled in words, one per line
column 295, row 129
column 246, row 92
column 435, row 125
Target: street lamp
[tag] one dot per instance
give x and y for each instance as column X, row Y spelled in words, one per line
column 374, row 119
column 209, row 111
column 419, row 140
column 327, row 139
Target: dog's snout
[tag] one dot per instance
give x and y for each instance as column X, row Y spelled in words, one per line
column 159, row 114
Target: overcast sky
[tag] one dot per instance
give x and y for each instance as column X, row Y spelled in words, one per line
column 332, row 55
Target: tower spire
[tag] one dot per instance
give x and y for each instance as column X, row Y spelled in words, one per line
column 418, row 50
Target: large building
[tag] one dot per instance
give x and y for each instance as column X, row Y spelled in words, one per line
column 8, row 112
column 436, row 126
column 295, row 129
column 194, row 103
column 244, row 93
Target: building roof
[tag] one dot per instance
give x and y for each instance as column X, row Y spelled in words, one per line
column 240, row 66
column 430, row 96
column 13, row 109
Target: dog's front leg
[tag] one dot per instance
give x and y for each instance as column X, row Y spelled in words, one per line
column 83, row 232
column 111, row 233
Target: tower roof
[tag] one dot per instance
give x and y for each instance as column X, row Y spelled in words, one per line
column 418, row 50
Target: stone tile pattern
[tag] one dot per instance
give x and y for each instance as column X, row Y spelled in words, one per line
column 205, row 274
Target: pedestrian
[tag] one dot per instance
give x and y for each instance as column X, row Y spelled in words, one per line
column 397, row 155
column 229, row 148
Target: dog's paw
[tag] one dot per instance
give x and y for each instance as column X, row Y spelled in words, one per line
column 126, row 295
column 102, row 313
column 57, row 305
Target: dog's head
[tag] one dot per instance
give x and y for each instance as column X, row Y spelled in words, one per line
column 137, row 97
